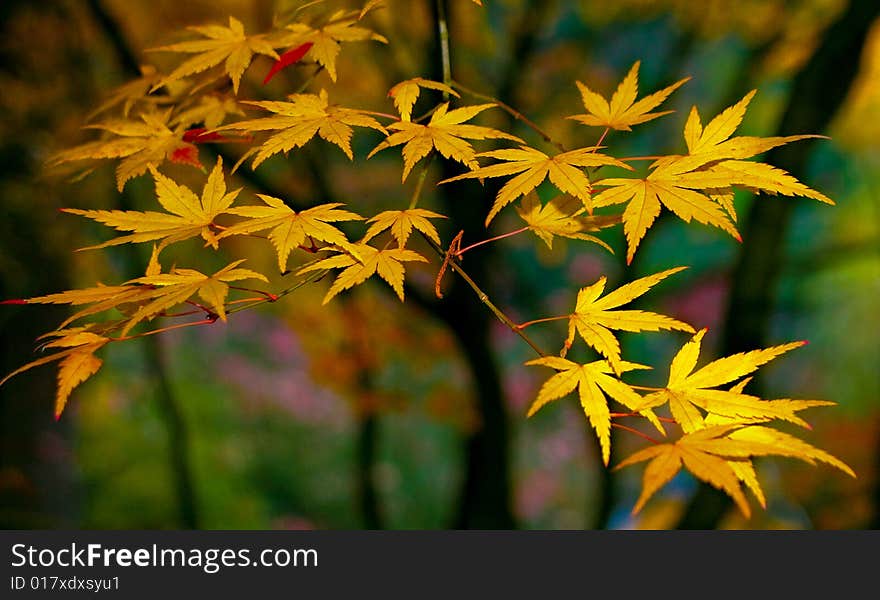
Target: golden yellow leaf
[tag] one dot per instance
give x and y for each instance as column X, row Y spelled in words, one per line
column 623, row 111
column 593, row 382
column 142, row 143
column 667, row 460
column 563, row 216
column 663, row 186
column 446, row 132
column 101, row 298
column 180, row 285
column 767, row 441
column 340, row 27
column 700, row 185
column 209, row 110
column 401, row 224
column 533, row 166
column 720, row 455
column 300, row 119
column 687, row 389
column 228, row 45
column 593, row 317
column 77, row 362
column 187, row 215
column 130, row 93
column 407, row 92
column 290, row 228
column 388, row 263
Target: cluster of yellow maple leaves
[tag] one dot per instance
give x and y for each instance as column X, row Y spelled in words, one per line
column 723, row 429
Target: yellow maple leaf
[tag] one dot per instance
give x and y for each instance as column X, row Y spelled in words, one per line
column 131, row 92
column 593, row 317
column 593, row 382
column 446, row 132
column 362, row 262
column 210, row 110
column 533, row 167
column 719, row 456
column 180, row 285
column 401, row 224
column 563, row 216
column 340, row 27
column 700, row 185
column 187, row 216
column 667, row 460
column 407, row 92
column 77, row 361
column 228, row 45
column 667, row 187
column 622, row 111
column 300, row 119
column 290, row 228
column 689, row 393
column 140, row 143
column 99, row 298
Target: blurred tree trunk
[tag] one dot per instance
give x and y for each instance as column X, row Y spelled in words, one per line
column 38, row 488
column 817, row 92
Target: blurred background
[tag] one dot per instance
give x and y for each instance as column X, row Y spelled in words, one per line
column 369, row 413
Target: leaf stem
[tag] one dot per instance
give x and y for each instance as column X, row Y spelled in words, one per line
column 544, row 320
column 420, row 182
column 444, row 45
column 512, row 112
column 125, row 338
column 633, row 158
column 380, row 114
column 636, row 432
column 305, row 84
column 267, row 295
column 647, row 388
column 484, row 298
column 316, row 276
column 491, row 239
column 602, row 138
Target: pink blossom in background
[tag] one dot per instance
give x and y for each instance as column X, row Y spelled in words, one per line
column 585, row 268
column 535, row 492
column 703, row 303
column 275, row 377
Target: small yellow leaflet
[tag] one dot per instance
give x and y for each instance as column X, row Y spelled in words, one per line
column 300, row 119
column 187, row 216
column 341, row 27
column 623, row 111
column 227, row 45
column 593, row 318
column 388, row 263
column 290, row 229
column 593, row 381
column 446, row 132
column 140, row 143
column 562, row 216
column 533, row 166
column 401, row 224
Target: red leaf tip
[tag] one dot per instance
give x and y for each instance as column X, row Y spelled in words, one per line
column 14, row 301
column 288, row 58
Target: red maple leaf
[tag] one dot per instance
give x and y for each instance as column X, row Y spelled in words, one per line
column 288, row 58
